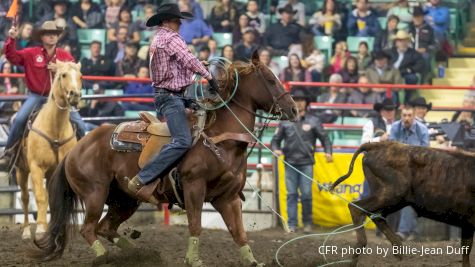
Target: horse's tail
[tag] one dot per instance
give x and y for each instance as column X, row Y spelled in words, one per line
column 62, row 202
column 362, row 148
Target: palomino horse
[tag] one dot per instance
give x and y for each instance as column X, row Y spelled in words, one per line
column 95, row 173
column 50, row 138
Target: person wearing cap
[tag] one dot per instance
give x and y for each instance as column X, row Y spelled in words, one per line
column 378, row 127
column 408, row 130
column 299, row 15
column 423, row 36
column 281, row 35
column 420, row 108
column 300, row 138
column 409, row 62
column 362, row 21
column 422, row 33
column 40, row 67
column 380, row 72
column 243, row 51
column 171, row 69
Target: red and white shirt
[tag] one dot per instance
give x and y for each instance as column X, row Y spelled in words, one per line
column 172, row 65
column 35, row 60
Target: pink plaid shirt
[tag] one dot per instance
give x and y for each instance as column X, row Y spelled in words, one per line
column 171, row 63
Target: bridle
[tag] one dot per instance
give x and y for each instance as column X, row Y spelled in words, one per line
column 68, row 106
column 275, row 104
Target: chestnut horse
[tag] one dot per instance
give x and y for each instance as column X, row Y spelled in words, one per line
column 95, row 174
column 39, row 153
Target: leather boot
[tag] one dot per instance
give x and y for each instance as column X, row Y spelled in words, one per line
column 135, row 185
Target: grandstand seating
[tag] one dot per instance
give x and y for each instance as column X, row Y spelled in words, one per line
column 223, row 39
column 283, row 61
column 145, row 37
column 324, row 44
column 354, row 41
column 86, row 36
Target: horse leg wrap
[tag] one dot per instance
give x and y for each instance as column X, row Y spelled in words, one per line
column 123, row 243
column 192, row 255
column 247, row 257
column 98, row 248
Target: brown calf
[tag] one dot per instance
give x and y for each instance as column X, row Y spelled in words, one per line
column 438, row 184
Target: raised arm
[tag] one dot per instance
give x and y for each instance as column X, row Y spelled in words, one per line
column 16, row 57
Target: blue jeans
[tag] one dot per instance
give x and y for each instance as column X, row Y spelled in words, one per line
column 295, row 181
column 408, row 221
column 170, row 107
column 33, row 102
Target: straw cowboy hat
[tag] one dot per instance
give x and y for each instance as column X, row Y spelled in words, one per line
column 167, row 11
column 402, row 35
column 47, row 27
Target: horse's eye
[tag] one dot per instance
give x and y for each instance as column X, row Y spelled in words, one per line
column 272, row 82
column 63, row 75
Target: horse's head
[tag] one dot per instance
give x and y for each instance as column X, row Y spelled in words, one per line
column 266, row 91
column 67, row 84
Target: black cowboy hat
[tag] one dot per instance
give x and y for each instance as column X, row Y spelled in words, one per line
column 387, row 104
column 420, row 102
column 167, row 11
column 287, row 9
column 418, row 11
column 381, row 55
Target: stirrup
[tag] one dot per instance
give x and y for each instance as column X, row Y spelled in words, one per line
column 173, row 181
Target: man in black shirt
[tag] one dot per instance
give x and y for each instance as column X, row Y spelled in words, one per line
column 96, row 64
column 284, row 33
column 300, row 138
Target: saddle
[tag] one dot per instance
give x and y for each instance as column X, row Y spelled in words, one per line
column 148, row 136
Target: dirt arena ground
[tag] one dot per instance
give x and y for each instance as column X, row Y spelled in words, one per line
column 160, row 245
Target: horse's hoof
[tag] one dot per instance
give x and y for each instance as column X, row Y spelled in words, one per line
column 194, row 263
column 26, row 233
column 99, row 260
column 39, row 236
column 40, row 231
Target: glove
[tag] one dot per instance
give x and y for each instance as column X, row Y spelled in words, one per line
column 213, row 87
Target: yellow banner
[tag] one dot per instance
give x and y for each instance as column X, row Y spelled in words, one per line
column 328, row 209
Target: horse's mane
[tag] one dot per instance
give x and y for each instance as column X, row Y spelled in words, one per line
column 244, row 68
